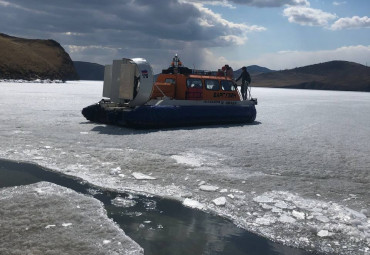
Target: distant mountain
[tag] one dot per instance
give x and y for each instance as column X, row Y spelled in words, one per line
column 89, row 71
column 253, row 70
column 30, row 59
column 333, row 75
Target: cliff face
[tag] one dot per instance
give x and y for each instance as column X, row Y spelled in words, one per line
column 30, row 59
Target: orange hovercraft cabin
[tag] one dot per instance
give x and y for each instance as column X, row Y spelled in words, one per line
column 179, row 97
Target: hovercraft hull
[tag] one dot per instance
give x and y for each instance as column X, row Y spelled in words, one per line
column 161, row 116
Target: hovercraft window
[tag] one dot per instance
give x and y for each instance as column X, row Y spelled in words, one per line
column 194, row 83
column 227, row 85
column 212, row 84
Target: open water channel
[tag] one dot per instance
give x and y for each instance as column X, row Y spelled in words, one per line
column 160, row 226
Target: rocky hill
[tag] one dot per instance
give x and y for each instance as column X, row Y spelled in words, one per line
column 30, row 59
column 89, row 71
column 333, row 75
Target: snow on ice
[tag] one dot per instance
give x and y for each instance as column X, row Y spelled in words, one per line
column 301, row 170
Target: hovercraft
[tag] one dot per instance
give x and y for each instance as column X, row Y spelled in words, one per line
column 179, row 97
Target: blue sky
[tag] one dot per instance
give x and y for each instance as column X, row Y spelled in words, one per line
column 278, row 34
column 292, row 38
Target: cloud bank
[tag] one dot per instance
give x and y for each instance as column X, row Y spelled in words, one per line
column 351, row 23
column 102, row 30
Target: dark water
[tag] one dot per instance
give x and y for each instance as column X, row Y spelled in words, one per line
column 160, row 226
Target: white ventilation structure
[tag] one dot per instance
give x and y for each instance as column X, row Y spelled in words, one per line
column 128, row 81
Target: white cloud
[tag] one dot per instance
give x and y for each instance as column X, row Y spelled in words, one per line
column 236, row 40
column 339, row 3
column 307, row 16
column 210, row 18
column 236, row 31
column 291, row 59
column 351, row 23
column 256, row 28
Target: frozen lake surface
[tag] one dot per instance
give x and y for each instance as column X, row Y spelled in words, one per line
column 299, row 176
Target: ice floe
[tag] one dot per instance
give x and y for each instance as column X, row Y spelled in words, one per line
column 115, row 171
column 208, row 188
column 324, row 219
column 193, row 204
column 149, row 204
column 298, row 215
column 123, row 202
column 220, row 201
column 324, row 233
column 286, row 219
column 141, row 176
column 53, row 223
